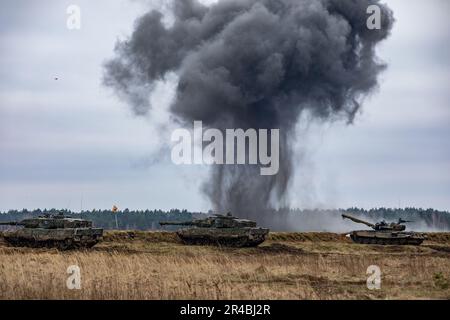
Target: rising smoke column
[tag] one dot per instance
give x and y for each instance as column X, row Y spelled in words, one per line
column 253, row 64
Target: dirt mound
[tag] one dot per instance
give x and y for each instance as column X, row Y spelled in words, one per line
column 171, row 237
column 278, row 248
column 439, row 237
column 151, row 236
column 308, row 236
column 440, row 248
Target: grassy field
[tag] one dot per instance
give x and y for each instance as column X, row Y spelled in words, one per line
column 154, row 265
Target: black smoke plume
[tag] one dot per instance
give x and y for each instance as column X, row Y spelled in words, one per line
column 253, row 64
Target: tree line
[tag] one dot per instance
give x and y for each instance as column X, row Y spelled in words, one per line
column 149, row 219
column 126, row 219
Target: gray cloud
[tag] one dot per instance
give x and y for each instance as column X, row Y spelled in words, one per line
column 396, row 153
column 253, row 64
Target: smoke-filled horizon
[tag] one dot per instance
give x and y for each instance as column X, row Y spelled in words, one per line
column 253, row 64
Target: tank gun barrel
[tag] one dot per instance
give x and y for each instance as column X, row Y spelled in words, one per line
column 177, row 223
column 11, row 224
column 358, row 220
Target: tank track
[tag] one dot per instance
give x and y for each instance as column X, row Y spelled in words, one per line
column 62, row 245
column 235, row 242
column 401, row 241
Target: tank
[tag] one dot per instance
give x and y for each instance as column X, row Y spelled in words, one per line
column 219, row 229
column 385, row 233
column 53, row 231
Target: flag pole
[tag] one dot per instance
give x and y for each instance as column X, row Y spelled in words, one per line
column 115, row 211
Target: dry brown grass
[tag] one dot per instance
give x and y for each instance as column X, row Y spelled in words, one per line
column 154, row 265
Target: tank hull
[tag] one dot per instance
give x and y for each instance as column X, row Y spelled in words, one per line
column 230, row 237
column 387, row 237
column 63, row 239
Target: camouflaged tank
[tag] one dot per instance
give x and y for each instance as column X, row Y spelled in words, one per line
column 53, row 231
column 223, row 230
column 385, row 233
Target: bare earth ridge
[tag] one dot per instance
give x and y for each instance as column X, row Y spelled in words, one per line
column 155, row 265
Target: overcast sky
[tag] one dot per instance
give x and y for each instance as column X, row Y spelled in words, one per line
column 70, row 142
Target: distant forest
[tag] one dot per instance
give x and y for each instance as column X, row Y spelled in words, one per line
column 149, row 219
column 126, row 219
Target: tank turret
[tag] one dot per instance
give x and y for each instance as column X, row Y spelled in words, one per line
column 53, row 231
column 216, row 221
column 385, row 233
column 184, row 223
column 52, row 222
column 220, row 229
column 358, row 220
column 382, row 225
